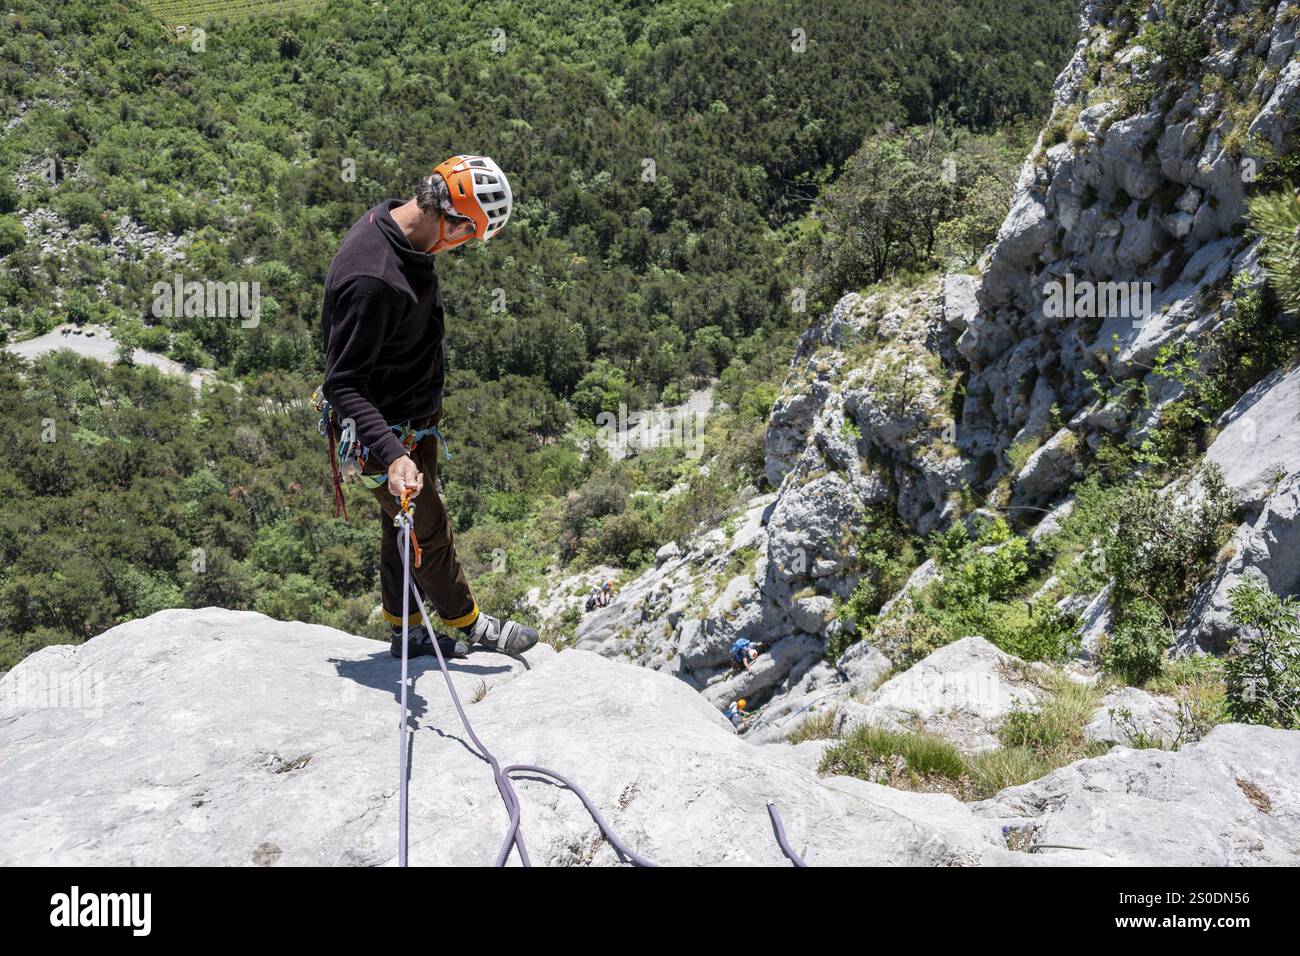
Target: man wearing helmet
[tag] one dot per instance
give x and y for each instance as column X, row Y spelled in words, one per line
column 382, row 332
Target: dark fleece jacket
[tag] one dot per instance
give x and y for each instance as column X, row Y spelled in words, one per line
column 381, row 330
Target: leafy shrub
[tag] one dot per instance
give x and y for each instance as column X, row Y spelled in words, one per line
column 80, row 209
column 976, row 593
column 12, row 235
column 1158, row 549
column 9, row 195
column 602, row 389
column 1179, row 45
column 602, row 494
column 1134, row 97
column 885, row 558
column 1262, row 670
column 1276, row 218
column 1154, row 548
column 624, row 539
column 1135, row 651
column 703, row 504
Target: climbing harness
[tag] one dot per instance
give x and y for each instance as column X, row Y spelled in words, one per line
column 514, row 839
column 347, row 456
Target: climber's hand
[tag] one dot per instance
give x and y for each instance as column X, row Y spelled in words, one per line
column 404, row 476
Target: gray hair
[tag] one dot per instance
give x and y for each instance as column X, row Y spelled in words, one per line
column 431, row 192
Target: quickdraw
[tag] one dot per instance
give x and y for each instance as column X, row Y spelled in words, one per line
column 326, row 427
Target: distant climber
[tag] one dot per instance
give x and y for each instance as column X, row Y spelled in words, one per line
column 744, row 652
column 606, row 592
column 736, row 712
column 593, row 598
column 382, row 334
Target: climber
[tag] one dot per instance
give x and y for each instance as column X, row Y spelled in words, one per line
column 593, row 598
column 606, row 592
column 736, row 712
column 744, row 652
column 382, row 333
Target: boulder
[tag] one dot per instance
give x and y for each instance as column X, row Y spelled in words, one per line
column 959, row 303
column 1129, row 714
column 1049, row 470
column 1233, row 799
column 812, row 614
column 961, row 692
column 862, row 665
column 1266, row 549
column 1051, row 522
column 1095, row 622
column 817, row 522
column 1259, row 438
column 667, row 553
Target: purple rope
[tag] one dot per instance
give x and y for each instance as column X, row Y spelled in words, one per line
column 792, row 856
column 514, row 836
column 403, row 728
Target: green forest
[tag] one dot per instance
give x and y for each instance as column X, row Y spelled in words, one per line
column 681, row 172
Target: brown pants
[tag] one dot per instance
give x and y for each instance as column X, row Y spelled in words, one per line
column 439, row 576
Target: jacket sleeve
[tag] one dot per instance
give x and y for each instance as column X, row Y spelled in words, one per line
column 365, row 313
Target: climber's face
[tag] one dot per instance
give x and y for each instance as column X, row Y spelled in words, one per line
column 455, row 232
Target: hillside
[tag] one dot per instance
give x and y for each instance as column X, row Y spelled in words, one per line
column 665, row 158
column 1115, row 494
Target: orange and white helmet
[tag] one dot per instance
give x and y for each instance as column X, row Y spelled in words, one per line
column 479, row 192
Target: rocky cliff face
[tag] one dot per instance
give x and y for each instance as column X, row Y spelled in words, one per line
column 1125, row 237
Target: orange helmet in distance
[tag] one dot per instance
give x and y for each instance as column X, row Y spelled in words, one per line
column 479, row 192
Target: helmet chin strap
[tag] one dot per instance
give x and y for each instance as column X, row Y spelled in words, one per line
column 442, row 242
column 447, row 213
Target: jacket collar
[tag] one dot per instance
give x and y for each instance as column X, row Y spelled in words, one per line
column 396, row 238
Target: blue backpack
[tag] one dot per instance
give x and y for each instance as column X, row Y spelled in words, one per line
column 738, row 648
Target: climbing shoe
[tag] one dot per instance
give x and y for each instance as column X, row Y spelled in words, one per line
column 420, row 645
column 508, row 637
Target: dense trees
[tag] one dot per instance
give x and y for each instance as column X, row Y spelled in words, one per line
column 908, row 199
column 665, row 158
column 656, row 152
